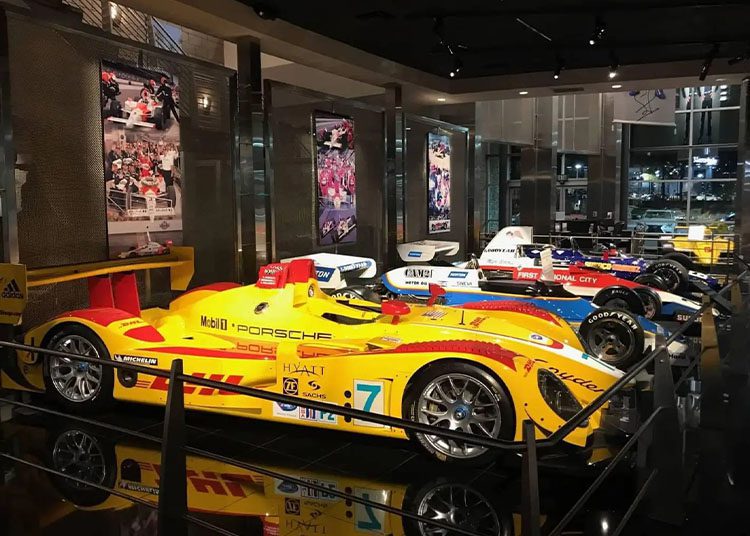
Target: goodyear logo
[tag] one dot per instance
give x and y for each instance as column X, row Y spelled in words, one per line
column 12, row 290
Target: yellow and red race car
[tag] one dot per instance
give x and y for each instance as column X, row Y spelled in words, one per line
column 479, row 371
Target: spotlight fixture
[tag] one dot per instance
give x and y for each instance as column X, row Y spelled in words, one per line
column 264, row 12
column 599, row 30
column 558, row 67
column 613, row 66
column 707, row 62
column 457, row 66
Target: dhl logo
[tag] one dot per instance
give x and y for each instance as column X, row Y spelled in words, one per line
column 215, row 483
column 162, row 384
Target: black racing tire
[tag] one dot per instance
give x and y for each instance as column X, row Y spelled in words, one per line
column 158, row 119
column 76, row 451
column 102, row 397
column 477, row 508
column 492, row 390
column 673, row 273
column 356, row 293
column 651, row 302
column 614, row 336
column 651, row 280
column 618, row 297
column 680, row 258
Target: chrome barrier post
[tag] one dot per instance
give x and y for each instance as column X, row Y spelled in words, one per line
column 173, row 479
column 530, row 483
column 667, row 488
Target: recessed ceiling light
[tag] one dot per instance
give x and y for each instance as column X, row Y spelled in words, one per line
column 441, row 99
column 720, row 79
column 616, row 86
column 523, row 92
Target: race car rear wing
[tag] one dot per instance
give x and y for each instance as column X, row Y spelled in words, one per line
column 111, row 283
column 426, row 250
column 335, row 271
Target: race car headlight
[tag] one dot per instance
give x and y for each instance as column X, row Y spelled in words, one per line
column 557, row 395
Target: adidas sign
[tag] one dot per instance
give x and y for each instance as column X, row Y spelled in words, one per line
column 12, row 290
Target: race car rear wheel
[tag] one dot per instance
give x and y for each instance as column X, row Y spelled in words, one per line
column 620, row 298
column 651, row 280
column 681, row 258
column 78, row 385
column 673, row 273
column 458, row 396
column 651, row 302
column 614, row 336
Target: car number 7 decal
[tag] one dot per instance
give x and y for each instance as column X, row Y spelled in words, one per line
column 368, row 396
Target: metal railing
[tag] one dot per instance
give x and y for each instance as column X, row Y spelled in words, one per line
column 172, row 501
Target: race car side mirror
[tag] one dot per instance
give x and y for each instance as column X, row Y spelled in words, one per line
column 396, row 309
column 436, row 291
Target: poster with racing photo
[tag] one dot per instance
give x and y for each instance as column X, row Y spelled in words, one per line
column 438, row 183
column 335, row 179
column 142, row 174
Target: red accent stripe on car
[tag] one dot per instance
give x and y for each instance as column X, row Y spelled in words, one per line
column 512, row 306
column 145, row 333
column 103, row 316
column 206, row 352
column 484, row 349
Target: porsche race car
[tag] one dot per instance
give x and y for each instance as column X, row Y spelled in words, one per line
column 480, row 371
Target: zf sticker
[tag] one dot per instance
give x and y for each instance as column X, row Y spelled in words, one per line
column 369, row 396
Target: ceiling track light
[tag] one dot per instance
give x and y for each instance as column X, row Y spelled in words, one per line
column 707, row 62
column 558, row 68
column 613, row 66
column 457, row 66
column 600, row 28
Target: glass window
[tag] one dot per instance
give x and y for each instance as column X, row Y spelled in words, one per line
column 515, row 163
column 713, row 163
column 514, row 195
column 658, row 165
column 711, row 201
column 576, row 166
column 720, row 126
column 659, row 136
column 573, row 202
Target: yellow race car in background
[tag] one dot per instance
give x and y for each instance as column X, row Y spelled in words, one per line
column 714, row 248
column 479, row 371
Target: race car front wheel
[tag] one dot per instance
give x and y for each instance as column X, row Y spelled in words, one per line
column 651, row 280
column 651, row 302
column 78, row 385
column 459, row 396
column 614, row 336
column 620, row 298
column 672, row 272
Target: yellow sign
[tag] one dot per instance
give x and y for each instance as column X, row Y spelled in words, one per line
column 12, row 293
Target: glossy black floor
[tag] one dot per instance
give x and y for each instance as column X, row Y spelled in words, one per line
column 716, row 479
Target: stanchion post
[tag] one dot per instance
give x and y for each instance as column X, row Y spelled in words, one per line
column 173, row 482
column 530, row 483
column 667, row 490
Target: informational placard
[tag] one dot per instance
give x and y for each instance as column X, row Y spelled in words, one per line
column 696, row 232
column 142, row 173
column 335, row 175
column 438, row 183
column 548, row 272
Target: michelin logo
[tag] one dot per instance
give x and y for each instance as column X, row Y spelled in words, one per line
column 136, row 359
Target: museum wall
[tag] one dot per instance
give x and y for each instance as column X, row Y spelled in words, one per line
column 416, row 185
column 57, row 129
column 294, row 185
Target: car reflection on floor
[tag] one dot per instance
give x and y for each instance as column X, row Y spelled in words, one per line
column 237, row 500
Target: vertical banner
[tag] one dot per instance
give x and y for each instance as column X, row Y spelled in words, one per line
column 335, row 179
column 142, row 171
column 438, row 183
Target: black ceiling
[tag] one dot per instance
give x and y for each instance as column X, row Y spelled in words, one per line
column 494, row 37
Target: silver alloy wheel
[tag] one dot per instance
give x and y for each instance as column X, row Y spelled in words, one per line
column 458, row 505
column 78, row 454
column 76, row 381
column 610, row 340
column 459, row 402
